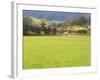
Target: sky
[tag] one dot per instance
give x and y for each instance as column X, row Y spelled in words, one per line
column 54, row 15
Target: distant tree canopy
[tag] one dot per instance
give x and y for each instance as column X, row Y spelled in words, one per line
column 82, row 21
column 36, row 26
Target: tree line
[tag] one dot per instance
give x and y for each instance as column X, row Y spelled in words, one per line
column 34, row 26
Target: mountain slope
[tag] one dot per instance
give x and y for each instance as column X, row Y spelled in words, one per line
column 53, row 15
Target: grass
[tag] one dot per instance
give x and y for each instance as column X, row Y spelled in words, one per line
column 56, row 51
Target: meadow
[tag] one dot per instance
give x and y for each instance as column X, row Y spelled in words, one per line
column 56, row 51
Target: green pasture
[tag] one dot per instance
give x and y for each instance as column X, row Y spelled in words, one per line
column 56, row 51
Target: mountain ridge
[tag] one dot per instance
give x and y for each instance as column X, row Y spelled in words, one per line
column 53, row 15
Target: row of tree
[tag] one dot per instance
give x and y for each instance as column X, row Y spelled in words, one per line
column 35, row 26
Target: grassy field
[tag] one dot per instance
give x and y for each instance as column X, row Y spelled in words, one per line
column 56, row 51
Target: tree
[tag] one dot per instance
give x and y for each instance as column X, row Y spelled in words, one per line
column 44, row 26
column 82, row 21
column 27, row 22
